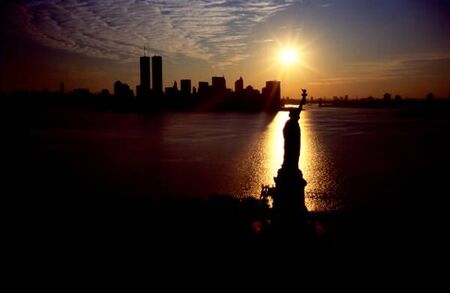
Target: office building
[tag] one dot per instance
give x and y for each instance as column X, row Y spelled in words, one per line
column 272, row 95
column 218, row 83
column 203, row 87
column 145, row 74
column 157, row 78
column 185, row 85
column 239, row 85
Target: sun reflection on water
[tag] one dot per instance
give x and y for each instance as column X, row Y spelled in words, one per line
column 314, row 164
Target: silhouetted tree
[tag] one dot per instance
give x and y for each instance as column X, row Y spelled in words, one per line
column 430, row 96
column 122, row 90
column 387, row 97
column 104, row 93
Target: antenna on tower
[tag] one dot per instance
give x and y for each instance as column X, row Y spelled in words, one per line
column 144, row 51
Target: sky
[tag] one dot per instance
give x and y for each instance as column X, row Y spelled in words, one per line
column 345, row 47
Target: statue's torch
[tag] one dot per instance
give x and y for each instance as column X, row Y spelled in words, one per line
column 303, row 101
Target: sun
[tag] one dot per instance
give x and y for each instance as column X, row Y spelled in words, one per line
column 288, row 56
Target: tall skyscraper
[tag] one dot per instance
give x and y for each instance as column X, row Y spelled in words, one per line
column 185, row 86
column 239, row 85
column 157, row 80
column 145, row 74
column 203, row 88
column 272, row 95
column 218, row 83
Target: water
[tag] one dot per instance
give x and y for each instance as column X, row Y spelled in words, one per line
column 349, row 157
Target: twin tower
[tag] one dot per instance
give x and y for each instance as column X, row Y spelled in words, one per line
column 157, row 82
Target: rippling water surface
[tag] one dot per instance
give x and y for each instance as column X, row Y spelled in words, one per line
column 348, row 156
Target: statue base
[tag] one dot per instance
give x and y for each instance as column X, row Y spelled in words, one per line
column 289, row 198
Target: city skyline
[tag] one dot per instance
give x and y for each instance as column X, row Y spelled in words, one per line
column 342, row 47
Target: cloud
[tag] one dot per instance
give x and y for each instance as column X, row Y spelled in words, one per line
column 215, row 31
column 326, row 5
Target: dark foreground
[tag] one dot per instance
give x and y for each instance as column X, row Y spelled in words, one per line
column 219, row 230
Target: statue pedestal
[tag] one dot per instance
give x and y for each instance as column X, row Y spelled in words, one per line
column 289, row 198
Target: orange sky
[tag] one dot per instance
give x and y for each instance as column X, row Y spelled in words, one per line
column 348, row 47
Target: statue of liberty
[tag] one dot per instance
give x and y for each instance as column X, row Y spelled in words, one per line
column 292, row 137
column 289, row 196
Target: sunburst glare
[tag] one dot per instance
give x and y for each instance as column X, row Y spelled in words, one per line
column 289, row 56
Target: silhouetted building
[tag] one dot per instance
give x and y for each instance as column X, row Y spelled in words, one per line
column 117, row 88
column 239, row 85
column 157, row 80
column 203, row 87
column 272, row 95
column 122, row 90
column 218, row 83
column 172, row 92
column 139, row 91
column 185, row 85
column 81, row 93
column 144, row 87
column 250, row 90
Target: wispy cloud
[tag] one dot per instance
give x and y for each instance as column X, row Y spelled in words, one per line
column 326, row 5
column 215, row 31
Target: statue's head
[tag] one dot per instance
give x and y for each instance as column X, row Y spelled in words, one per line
column 294, row 114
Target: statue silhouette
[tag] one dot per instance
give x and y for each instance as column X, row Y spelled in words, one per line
column 291, row 134
column 289, row 193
